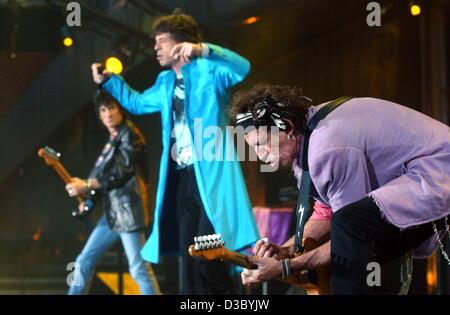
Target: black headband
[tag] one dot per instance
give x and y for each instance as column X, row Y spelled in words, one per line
column 268, row 112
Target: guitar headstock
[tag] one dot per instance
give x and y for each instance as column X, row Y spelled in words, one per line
column 208, row 247
column 49, row 155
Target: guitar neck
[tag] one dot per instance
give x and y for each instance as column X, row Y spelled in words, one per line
column 65, row 176
column 238, row 259
column 62, row 172
column 314, row 283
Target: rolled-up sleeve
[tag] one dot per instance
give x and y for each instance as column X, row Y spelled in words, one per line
column 321, row 211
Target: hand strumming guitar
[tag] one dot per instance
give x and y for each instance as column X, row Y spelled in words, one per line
column 78, row 186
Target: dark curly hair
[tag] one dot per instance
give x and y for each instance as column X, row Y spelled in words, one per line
column 291, row 96
column 182, row 27
column 103, row 98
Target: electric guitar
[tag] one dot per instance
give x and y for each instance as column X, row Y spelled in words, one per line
column 211, row 247
column 51, row 158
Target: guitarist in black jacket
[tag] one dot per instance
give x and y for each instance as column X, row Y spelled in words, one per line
column 118, row 176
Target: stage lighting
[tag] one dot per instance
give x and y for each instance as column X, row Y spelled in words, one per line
column 251, row 20
column 414, row 9
column 114, row 65
column 68, row 41
column 67, row 36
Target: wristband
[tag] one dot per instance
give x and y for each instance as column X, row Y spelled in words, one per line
column 205, row 50
column 87, row 185
column 285, row 268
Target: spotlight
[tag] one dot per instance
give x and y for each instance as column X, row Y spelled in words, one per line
column 68, row 41
column 415, row 9
column 67, row 36
column 114, row 65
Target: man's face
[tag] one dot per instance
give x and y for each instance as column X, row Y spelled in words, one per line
column 110, row 115
column 271, row 150
column 164, row 43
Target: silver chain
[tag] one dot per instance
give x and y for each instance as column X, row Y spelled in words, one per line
column 441, row 246
column 407, row 263
column 406, row 273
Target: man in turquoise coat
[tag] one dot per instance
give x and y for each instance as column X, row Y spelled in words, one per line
column 201, row 189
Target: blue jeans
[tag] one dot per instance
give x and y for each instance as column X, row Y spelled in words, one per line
column 101, row 238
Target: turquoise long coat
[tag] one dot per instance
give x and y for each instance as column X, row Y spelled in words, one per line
column 222, row 188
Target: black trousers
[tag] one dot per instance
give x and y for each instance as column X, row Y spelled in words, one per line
column 359, row 235
column 198, row 276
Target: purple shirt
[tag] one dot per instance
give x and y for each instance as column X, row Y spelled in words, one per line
column 396, row 155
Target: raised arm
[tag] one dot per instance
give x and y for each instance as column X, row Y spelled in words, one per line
column 228, row 65
column 133, row 101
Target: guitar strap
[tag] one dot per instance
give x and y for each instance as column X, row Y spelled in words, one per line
column 303, row 204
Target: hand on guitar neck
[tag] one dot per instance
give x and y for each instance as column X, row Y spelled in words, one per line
column 211, row 247
column 264, row 248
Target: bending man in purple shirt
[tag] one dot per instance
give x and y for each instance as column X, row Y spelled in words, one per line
column 381, row 169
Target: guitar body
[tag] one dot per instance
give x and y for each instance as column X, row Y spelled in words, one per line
column 51, row 158
column 211, row 247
